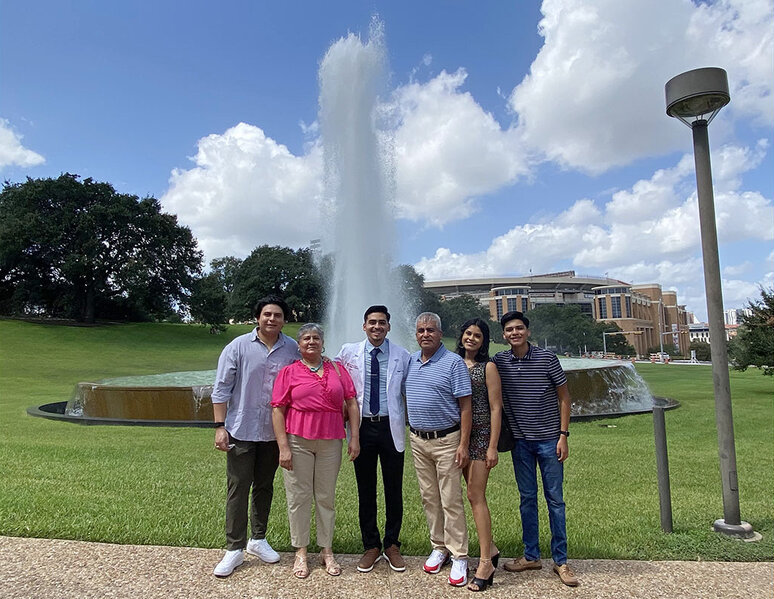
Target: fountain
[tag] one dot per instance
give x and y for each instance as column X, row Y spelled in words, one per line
column 598, row 388
column 359, row 196
column 359, row 187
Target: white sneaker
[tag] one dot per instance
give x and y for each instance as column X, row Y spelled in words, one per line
column 436, row 561
column 458, row 577
column 261, row 549
column 231, row 560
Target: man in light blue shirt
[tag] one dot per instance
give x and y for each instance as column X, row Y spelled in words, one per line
column 438, row 394
column 241, row 399
column 378, row 369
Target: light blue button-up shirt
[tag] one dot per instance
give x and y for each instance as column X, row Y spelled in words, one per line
column 384, row 360
column 244, row 380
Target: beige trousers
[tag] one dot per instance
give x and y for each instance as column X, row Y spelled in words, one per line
column 440, row 484
column 316, row 464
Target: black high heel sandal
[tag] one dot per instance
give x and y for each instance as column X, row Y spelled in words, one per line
column 479, row 584
column 496, row 560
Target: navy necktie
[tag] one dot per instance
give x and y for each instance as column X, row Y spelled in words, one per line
column 374, row 402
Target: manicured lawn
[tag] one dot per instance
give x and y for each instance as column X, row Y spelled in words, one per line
column 167, row 486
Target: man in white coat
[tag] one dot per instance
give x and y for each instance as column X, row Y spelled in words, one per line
column 378, row 369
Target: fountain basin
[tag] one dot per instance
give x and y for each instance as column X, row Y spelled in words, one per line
column 598, row 388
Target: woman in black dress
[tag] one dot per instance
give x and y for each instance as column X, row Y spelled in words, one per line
column 473, row 346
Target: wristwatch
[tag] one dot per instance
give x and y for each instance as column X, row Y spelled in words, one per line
column 218, row 424
column 565, row 433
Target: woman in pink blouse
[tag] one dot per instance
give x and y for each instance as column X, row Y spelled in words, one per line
column 312, row 398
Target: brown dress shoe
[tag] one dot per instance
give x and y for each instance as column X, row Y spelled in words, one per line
column 522, row 564
column 369, row 559
column 566, row 575
column 394, row 558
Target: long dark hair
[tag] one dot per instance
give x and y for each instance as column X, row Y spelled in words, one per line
column 482, row 355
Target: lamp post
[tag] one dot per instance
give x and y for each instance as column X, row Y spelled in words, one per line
column 695, row 97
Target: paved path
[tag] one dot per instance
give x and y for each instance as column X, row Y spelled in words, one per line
column 43, row 569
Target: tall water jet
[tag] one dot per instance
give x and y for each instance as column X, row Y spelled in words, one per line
column 359, row 184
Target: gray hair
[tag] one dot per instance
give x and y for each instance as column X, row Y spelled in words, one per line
column 430, row 316
column 310, row 326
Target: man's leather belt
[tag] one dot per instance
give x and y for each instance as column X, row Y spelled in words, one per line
column 435, row 434
column 375, row 418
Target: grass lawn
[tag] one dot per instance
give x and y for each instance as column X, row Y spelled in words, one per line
column 167, row 486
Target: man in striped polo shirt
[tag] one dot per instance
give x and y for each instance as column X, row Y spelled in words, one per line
column 537, row 405
column 438, row 402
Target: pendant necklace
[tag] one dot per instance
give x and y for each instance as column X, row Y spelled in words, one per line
column 314, row 368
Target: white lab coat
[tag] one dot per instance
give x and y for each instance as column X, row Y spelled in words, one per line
column 352, row 356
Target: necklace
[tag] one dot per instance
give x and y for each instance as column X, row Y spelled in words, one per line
column 313, row 368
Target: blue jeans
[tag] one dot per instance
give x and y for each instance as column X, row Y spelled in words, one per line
column 527, row 455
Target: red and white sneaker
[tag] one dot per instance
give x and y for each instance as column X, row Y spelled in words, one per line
column 435, row 561
column 458, row 577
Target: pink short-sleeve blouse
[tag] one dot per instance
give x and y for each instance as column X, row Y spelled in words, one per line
column 315, row 405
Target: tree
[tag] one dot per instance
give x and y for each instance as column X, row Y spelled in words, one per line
column 455, row 311
column 227, row 270
column 418, row 298
column 616, row 344
column 81, row 250
column 208, row 302
column 567, row 328
column 278, row 270
column 702, row 349
column 754, row 342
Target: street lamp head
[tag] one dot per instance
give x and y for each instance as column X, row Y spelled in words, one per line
column 697, row 95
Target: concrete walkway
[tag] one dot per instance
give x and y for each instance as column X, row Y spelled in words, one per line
column 43, row 569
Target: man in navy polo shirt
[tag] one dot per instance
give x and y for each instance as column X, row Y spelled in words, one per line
column 438, row 401
column 537, row 405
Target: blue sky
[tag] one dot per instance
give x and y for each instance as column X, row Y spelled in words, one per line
column 530, row 136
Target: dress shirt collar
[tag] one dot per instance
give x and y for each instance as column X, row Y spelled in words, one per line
column 383, row 348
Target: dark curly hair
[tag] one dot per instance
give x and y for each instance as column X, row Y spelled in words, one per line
column 482, row 355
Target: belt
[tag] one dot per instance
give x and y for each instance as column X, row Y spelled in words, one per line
column 375, row 418
column 435, row 434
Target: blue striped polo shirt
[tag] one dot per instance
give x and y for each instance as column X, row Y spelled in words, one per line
column 530, row 401
column 433, row 388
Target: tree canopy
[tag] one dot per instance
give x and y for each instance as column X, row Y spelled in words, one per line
column 568, row 329
column 277, row 270
column 78, row 249
column 754, row 342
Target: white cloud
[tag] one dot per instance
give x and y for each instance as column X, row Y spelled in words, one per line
column 12, row 152
column 659, row 243
column 247, row 190
column 734, row 270
column 594, row 98
column 449, row 151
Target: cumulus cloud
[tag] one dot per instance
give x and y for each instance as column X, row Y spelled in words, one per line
column 449, row 150
column 12, row 152
column 660, row 243
column 594, row 97
column 247, row 190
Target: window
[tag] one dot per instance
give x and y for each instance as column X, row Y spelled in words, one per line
column 512, row 304
column 629, row 307
column 524, row 304
column 602, row 308
column 499, row 305
column 615, row 304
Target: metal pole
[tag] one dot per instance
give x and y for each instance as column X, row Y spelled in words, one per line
column 604, row 345
column 660, row 330
column 732, row 522
column 662, row 468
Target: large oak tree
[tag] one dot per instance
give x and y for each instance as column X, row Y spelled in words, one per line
column 78, row 249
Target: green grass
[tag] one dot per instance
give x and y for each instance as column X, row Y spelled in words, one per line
column 167, row 486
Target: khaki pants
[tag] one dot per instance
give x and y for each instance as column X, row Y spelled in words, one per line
column 441, row 489
column 316, row 464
